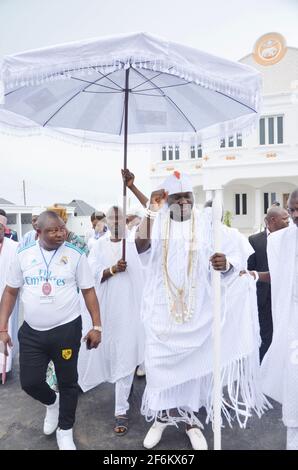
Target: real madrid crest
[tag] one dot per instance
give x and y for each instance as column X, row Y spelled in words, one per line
column 67, row 354
column 269, row 49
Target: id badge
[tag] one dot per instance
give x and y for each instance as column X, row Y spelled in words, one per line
column 47, row 294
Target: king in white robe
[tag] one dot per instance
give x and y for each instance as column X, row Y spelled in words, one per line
column 179, row 356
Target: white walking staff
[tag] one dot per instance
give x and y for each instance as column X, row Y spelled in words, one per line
column 216, row 221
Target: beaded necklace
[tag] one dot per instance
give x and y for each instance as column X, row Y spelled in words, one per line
column 181, row 301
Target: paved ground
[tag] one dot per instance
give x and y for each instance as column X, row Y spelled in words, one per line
column 21, row 420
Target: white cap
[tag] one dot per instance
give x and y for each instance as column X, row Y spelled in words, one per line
column 177, row 183
column 37, row 210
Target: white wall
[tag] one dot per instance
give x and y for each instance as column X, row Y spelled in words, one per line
column 79, row 225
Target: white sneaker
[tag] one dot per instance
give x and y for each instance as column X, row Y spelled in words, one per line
column 140, row 372
column 51, row 419
column 65, row 439
column 197, row 439
column 154, row 434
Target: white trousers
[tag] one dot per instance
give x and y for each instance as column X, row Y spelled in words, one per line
column 292, row 438
column 122, row 391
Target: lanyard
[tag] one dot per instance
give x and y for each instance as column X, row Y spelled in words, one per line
column 47, row 264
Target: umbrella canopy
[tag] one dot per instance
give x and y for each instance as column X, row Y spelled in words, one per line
column 170, row 87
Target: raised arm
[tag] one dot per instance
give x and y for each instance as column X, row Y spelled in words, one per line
column 144, row 230
column 129, row 179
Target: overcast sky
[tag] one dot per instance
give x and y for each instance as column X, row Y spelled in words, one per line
column 60, row 172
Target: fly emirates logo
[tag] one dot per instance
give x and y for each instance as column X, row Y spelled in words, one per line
column 42, row 277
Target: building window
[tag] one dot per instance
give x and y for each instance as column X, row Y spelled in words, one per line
column 241, row 204
column 262, row 131
column 199, row 151
column 239, row 140
column 231, row 141
column 269, row 199
column 271, row 130
column 244, row 204
column 273, row 198
column 170, row 152
column 12, row 219
column 26, row 219
column 237, row 204
column 266, row 202
column 280, row 132
column 194, row 153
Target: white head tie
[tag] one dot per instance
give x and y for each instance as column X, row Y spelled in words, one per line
column 177, row 183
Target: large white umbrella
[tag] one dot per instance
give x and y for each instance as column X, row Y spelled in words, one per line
column 132, row 85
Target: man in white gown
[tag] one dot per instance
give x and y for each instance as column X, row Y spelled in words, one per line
column 8, row 250
column 177, row 316
column 280, row 365
column 119, row 288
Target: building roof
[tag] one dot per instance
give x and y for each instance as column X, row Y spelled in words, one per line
column 5, row 202
column 81, row 207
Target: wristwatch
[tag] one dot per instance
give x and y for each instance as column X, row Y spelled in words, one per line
column 97, row 328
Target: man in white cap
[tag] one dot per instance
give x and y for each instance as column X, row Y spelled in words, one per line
column 31, row 236
column 8, row 250
column 177, row 316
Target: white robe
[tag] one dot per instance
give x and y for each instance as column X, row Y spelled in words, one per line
column 280, row 364
column 7, row 255
column 178, row 357
column 122, row 347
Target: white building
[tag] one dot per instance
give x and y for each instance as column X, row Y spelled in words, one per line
column 253, row 171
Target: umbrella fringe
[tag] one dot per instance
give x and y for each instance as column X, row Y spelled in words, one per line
column 38, row 75
column 90, row 140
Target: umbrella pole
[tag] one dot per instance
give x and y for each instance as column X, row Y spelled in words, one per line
column 216, row 284
column 125, row 158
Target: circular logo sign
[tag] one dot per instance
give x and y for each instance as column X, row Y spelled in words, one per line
column 269, row 49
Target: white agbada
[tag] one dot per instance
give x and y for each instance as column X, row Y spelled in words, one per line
column 280, row 364
column 178, row 357
column 7, row 255
column 122, row 346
